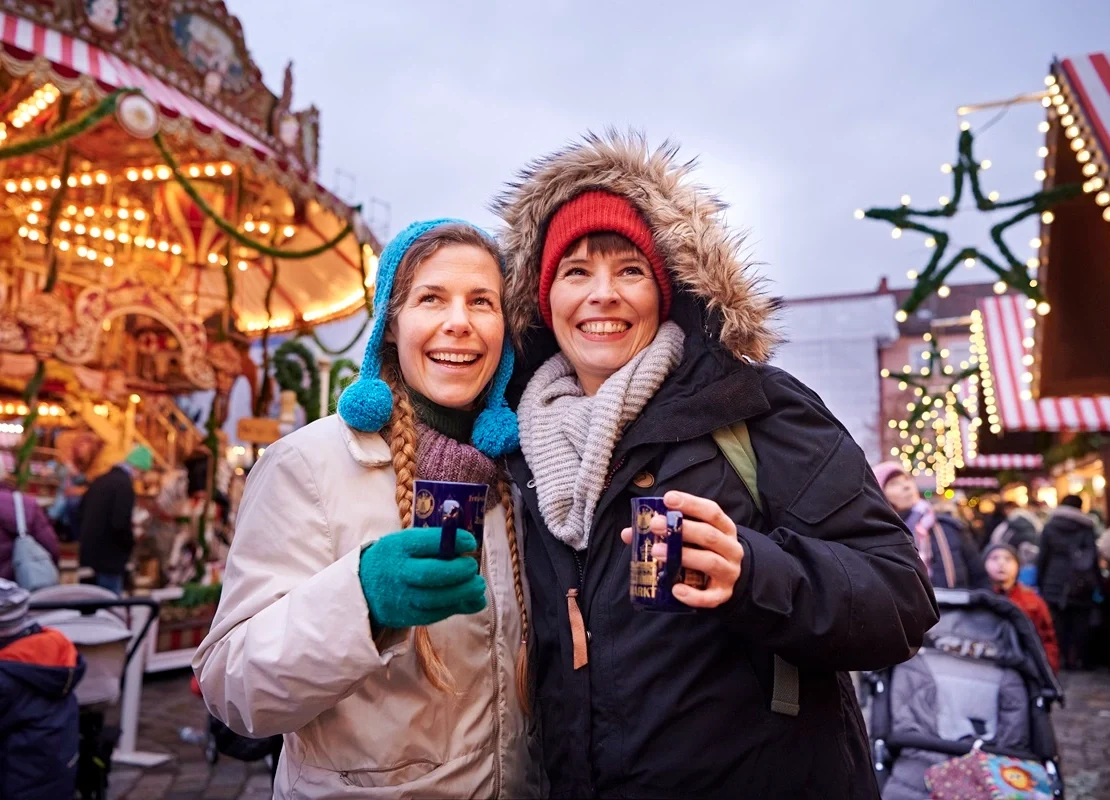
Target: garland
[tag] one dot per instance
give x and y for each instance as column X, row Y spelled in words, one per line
column 61, row 133
column 1014, row 274
column 233, row 231
column 343, row 373
column 368, row 297
column 31, row 391
column 292, row 361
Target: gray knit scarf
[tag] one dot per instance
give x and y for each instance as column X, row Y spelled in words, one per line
column 568, row 437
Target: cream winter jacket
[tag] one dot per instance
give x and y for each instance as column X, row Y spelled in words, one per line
column 290, row 650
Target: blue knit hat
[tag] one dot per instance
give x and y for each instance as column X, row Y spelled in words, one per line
column 367, row 404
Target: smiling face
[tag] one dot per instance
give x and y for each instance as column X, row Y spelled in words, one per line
column 448, row 326
column 604, row 307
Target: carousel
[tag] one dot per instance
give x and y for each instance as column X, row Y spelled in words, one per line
column 160, row 214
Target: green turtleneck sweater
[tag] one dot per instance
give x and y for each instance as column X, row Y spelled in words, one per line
column 455, row 423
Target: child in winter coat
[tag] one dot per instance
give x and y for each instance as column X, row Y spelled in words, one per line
column 1003, row 562
column 38, row 710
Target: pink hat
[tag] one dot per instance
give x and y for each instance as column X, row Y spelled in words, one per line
column 887, row 470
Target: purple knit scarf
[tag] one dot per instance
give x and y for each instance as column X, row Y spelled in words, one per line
column 441, row 458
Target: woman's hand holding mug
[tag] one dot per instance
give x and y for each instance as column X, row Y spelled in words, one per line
column 718, row 554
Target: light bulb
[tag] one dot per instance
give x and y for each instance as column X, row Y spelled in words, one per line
column 946, row 168
column 969, row 262
column 944, row 200
column 1035, row 242
column 242, row 266
column 163, row 173
column 858, row 213
column 1040, row 175
column 912, row 274
column 1044, row 126
column 226, row 169
column 901, row 316
column 993, row 197
column 986, row 164
column 289, row 231
column 896, row 233
column 930, row 242
column 1043, row 309
column 905, row 199
column 944, row 291
column 1000, row 287
column 1047, row 217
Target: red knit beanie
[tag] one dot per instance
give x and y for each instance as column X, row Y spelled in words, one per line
column 596, row 212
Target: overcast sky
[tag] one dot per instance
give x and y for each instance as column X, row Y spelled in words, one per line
column 800, row 110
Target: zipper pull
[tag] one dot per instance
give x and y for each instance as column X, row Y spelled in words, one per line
column 577, row 630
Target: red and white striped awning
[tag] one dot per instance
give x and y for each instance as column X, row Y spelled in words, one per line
column 1089, row 78
column 78, row 56
column 1008, row 327
column 975, row 483
column 1005, row 461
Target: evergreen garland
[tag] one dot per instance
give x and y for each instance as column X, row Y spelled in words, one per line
column 343, row 373
column 292, row 362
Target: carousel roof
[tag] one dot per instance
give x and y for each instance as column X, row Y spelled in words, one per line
column 252, row 157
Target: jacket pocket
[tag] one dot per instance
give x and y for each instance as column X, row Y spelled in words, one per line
column 393, row 776
column 835, row 483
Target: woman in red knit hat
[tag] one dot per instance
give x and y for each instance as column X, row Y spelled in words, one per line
column 642, row 337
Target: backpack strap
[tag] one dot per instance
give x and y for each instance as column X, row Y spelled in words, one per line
column 736, row 445
column 20, row 514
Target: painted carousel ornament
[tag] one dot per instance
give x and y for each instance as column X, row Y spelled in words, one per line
column 138, row 116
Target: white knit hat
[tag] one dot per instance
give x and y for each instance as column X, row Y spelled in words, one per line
column 13, row 608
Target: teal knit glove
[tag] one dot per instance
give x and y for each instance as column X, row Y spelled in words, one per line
column 405, row 584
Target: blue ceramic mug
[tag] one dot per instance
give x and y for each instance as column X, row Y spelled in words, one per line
column 452, row 507
column 652, row 581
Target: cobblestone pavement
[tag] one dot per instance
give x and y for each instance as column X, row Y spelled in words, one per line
column 1082, row 730
column 1083, row 734
column 167, row 706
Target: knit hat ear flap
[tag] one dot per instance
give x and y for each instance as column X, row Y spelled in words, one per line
column 367, row 404
column 496, row 432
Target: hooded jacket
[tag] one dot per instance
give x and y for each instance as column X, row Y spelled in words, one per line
column 1067, row 567
column 673, row 705
column 38, row 715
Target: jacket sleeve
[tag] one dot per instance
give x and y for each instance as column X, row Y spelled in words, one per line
column 836, row 583
column 291, row 636
column 1042, row 620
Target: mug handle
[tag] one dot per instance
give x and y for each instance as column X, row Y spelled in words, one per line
column 674, row 547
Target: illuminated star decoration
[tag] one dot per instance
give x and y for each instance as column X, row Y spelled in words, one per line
column 931, row 280
column 937, row 407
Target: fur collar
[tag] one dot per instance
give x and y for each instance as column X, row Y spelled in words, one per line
column 1073, row 514
column 703, row 257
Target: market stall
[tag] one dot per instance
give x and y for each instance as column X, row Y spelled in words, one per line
column 1069, row 345
column 160, row 213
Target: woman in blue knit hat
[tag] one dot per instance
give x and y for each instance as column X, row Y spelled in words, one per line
column 389, row 671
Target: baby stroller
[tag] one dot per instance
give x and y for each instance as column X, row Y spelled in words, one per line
column 981, row 680
column 82, row 613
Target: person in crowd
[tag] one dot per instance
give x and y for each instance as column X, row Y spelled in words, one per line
column 390, row 672
column 642, row 333
column 949, row 557
column 992, row 520
column 1068, row 576
column 1022, row 529
column 1002, row 564
column 38, row 527
column 107, row 537
column 39, row 669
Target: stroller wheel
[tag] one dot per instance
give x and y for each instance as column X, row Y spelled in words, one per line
column 211, row 754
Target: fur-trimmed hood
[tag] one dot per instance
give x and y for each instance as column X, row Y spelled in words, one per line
column 703, row 258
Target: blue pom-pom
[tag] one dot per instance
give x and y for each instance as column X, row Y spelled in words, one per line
column 366, row 405
column 496, row 432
